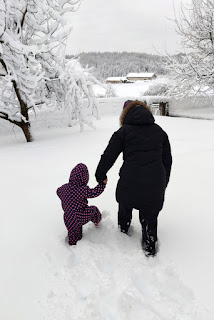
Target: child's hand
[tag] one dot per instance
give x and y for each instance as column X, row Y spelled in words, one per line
column 105, row 181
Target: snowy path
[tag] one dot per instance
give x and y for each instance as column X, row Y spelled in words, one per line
column 105, row 276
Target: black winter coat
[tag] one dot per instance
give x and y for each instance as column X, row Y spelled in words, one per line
column 145, row 172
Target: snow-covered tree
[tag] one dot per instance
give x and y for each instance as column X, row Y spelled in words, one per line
column 110, row 91
column 79, row 98
column 116, row 64
column 193, row 71
column 33, row 36
column 156, row 89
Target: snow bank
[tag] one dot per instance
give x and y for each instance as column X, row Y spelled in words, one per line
column 200, row 108
column 44, row 118
column 191, row 107
column 50, row 118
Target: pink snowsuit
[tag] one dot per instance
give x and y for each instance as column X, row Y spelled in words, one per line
column 73, row 196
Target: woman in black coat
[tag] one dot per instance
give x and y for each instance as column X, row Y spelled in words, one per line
column 145, row 172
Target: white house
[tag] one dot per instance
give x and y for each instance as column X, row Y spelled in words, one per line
column 116, row 80
column 140, row 76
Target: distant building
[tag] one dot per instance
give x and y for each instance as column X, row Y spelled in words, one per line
column 140, row 76
column 116, row 80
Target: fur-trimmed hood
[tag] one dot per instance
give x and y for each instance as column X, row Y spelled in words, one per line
column 136, row 112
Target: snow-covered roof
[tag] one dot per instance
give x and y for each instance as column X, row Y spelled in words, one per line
column 141, row 75
column 155, row 99
column 115, row 78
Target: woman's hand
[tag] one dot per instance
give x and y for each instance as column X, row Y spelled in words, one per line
column 105, row 181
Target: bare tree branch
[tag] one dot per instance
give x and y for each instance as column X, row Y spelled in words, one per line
column 23, row 18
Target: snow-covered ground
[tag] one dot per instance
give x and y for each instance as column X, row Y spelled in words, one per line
column 106, row 275
column 133, row 89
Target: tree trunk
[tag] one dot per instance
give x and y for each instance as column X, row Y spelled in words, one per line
column 25, row 126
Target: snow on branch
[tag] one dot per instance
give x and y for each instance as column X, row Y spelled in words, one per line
column 80, row 101
column 2, row 17
column 33, row 36
column 193, row 71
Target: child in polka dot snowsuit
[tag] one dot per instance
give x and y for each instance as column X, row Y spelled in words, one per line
column 73, row 196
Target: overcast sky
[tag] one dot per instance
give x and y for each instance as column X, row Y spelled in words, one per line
column 124, row 25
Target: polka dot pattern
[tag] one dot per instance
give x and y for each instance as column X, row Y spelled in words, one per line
column 73, row 196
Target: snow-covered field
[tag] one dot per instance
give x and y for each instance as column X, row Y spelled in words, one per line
column 106, row 275
column 132, row 89
column 201, row 107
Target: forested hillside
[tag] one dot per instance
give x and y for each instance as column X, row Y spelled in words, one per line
column 113, row 64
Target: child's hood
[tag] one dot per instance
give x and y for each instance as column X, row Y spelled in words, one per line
column 79, row 175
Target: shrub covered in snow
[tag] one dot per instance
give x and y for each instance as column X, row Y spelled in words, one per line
column 105, row 91
column 156, row 89
column 110, row 92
